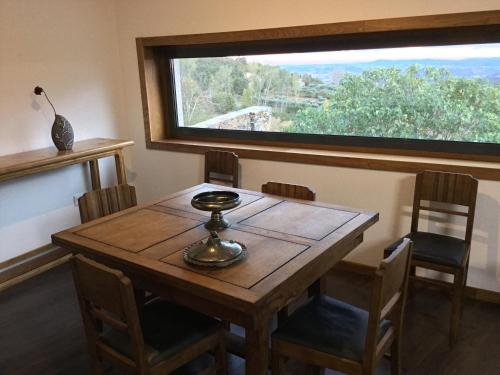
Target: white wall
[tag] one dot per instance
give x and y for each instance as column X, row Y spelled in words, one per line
column 69, row 47
column 160, row 172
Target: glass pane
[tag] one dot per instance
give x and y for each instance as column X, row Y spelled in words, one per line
column 441, row 92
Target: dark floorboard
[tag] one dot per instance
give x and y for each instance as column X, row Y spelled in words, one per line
column 41, row 330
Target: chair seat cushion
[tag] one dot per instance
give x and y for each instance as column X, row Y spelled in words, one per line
column 435, row 248
column 330, row 326
column 167, row 328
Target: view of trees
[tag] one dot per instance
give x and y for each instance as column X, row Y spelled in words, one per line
column 419, row 102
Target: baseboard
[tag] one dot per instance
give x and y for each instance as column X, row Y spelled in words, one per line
column 482, row 294
column 32, row 263
column 470, row 291
column 30, row 254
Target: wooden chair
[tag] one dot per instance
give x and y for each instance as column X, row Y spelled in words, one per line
column 221, row 166
column 440, row 252
column 165, row 337
column 99, row 203
column 328, row 333
column 289, row 191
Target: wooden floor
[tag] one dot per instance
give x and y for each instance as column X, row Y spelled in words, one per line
column 41, row 331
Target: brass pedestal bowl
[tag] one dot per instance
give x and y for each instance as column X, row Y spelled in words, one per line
column 216, row 202
column 215, row 252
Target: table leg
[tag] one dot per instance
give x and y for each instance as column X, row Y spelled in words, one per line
column 95, row 177
column 318, row 287
column 257, row 349
column 120, row 168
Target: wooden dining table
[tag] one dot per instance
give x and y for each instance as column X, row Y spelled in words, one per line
column 290, row 245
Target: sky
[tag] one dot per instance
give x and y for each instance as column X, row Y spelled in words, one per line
column 459, row 52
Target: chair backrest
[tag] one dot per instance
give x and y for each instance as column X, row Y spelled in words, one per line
column 221, row 166
column 106, row 298
column 99, row 203
column 388, row 298
column 448, row 188
column 289, row 190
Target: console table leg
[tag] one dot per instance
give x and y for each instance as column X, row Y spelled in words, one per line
column 95, row 177
column 120, row 168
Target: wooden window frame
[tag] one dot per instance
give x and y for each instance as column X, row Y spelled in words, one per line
column 155, row 71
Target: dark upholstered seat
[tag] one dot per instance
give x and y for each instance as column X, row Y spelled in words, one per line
column 167, row 329
column 435, row 248
column 331, row 326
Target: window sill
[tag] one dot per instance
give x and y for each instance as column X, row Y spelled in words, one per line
column 384, row 161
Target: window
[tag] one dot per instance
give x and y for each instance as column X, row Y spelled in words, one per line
column 421, row 84
column 445, row 93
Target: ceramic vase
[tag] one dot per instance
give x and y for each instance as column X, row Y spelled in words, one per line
column 62, row 133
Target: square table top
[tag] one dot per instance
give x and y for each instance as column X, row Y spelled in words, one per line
column 286, row 239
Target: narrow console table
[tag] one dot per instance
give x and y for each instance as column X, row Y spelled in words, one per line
column 91, row 150
column 26, row 163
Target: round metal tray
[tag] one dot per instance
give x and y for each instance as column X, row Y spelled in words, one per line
column 213, row 264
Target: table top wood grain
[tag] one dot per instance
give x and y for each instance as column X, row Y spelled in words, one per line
column 288, row 241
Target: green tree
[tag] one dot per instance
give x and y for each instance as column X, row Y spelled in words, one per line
column 419, row 103
column 221, row 90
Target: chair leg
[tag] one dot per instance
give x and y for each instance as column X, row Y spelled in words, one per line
column 277, row 363
column 208, row 371
column 98, row 366
column 411, row 282
column 315, row 370
column 458, row 289
column 466, row 272
column 396, row 357
column 282, row 316
column 220, row 355
column 413, row 270
column 140, row 299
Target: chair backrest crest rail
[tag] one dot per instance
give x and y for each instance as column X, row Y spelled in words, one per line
column 448, row 188
column 99, row 203
column 289, row 190
column 222, row 166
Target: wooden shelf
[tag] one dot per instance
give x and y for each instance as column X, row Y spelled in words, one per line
column 26, row 163
column 30, row 162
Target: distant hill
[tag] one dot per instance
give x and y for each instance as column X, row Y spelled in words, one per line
column 487, row 68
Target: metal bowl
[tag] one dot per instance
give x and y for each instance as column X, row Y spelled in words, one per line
column 215, row 252
column 216, row 201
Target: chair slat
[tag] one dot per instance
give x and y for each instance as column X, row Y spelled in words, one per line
column 99, row 203
column 106, row 318
column 394, row 269
column 289, row 190
column 442, row 210
column 99, row 285
column 224, row 165
column 446, row 187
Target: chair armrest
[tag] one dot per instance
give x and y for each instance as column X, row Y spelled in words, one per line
column 393, row 246
column 358, row 268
